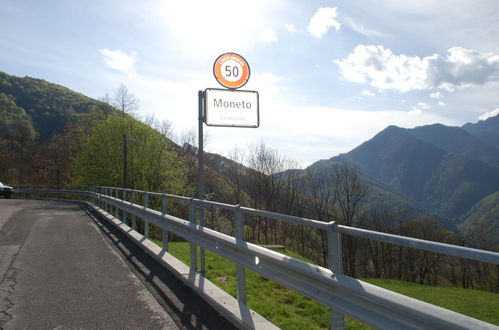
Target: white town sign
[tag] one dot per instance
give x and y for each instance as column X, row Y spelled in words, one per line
column 231, row 108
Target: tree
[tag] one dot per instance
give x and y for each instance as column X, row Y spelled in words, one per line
column 125, row 101
column 236, row 174
column 151, row 164
column 268, row 189
column 320, row 184
column 105, row 106
column 164, row 127
column 350, row 192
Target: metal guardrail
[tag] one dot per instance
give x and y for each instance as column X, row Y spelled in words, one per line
column 365, row 302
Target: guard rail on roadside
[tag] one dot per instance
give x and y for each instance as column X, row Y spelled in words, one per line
column 362, row 301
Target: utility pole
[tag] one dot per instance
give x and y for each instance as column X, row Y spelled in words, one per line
column 200, row 145
column 125, row 162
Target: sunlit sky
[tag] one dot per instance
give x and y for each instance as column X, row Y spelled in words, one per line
column 330, row 74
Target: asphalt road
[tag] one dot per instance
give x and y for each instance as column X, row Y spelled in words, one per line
column 61, row 268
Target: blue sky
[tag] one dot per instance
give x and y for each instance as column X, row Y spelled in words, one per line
column 330, row 74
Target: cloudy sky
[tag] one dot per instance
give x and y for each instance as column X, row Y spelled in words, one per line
column 330, row 74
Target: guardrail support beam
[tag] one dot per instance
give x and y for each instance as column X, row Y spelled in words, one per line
column 240, row 270
column 123, row 197
column 134, row 217
column 146, row 223
column 334, row 262
column 116, row 209
column 192, row 220
column 164, row 211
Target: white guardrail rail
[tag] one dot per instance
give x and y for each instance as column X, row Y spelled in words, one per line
column 370, row 304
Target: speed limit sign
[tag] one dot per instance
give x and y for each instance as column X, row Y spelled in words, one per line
column 231, row 70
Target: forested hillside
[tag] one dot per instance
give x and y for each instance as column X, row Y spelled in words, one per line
column 50, row 107
column 39, row 128
column 446, row 182
column 451, row 172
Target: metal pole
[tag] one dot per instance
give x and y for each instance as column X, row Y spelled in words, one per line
column 240, row 270
column 192, row 220
column 116, row 209
column 125, row 162
column 164, row 210
column 134, row 217
column 334, row 260
column 125, row 214
column 201, row 171
column 146, row 223
column 200, row 145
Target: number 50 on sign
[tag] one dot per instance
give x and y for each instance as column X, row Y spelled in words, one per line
column 231, row 70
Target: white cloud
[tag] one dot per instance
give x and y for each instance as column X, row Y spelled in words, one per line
column 290, row 27
column 268, row 36
column 415, row 112
column 323, row 19
column 441, row 103
column 489, row 114
column 436, row 96
column 359, row 28
column 118, row 60
column 381, row 68
column 423, row 106
column 367, row 92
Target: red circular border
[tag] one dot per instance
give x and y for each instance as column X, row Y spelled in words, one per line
column 231, row 84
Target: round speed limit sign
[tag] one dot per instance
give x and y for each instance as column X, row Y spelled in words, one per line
column 231, row 70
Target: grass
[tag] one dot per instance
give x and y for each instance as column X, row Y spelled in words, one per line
column 290, row 310
column 478, row 304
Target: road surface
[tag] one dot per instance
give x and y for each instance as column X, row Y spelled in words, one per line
column 61, row 268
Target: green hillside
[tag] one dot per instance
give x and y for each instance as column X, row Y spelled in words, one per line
column 447, row 183
column 49, row 106
column 485, row 217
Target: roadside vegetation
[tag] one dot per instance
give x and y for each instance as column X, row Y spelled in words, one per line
column 290, row 310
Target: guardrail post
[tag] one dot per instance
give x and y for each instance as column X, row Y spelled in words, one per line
column 240, row 270
column 116, row 209
column 201, row 249
column 108, row 207
column 146, row 223
column 96, row 197
column 125, row 214
column 102, row 191
column 106, row 193
column 192, row 219
column 134, row 217
column 164, row 211
column 334, row 263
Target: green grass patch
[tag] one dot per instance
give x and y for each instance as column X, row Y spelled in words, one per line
column 478, row 304
column 290, row 310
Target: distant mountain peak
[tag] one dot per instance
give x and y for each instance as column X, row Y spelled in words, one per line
column 486, row 130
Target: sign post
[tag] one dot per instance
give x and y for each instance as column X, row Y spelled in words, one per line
column 227, row 107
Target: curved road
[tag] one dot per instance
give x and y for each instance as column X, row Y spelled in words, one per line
column 61, row 268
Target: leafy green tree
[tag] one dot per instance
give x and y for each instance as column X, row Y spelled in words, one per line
column 151, row 164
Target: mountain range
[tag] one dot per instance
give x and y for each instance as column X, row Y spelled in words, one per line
column 450, row 172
